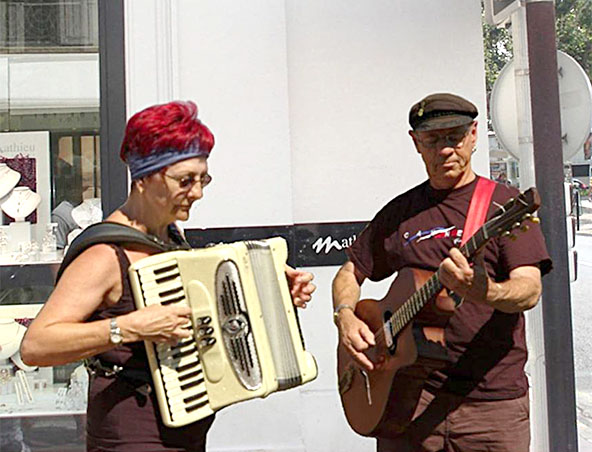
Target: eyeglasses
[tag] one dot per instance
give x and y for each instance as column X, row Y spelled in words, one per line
column 188, row 181
column 453, row 139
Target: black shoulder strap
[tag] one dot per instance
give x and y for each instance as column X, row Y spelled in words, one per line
column 109, row 232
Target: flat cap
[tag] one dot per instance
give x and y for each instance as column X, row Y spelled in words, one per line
column 441, row 111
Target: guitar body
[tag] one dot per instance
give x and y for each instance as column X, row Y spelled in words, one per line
column 372, row 405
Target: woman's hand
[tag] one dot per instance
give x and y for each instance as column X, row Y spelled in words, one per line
column 301, row 286
column 156, row 323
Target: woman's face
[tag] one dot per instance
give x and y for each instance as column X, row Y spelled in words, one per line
column 175, row 188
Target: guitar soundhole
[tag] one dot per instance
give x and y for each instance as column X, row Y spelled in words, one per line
column 391, row 338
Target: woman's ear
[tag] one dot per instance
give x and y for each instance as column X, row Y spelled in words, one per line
column 138, row 185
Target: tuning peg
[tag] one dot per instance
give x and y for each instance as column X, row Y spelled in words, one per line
column 516, row 225
column 524, row 228
column 505, row 234
column 527, row 216
column 535, row 220
column 513, row 237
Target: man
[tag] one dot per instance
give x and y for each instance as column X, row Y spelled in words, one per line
column 479, row 400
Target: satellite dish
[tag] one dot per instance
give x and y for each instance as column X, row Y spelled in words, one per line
column 575, row 99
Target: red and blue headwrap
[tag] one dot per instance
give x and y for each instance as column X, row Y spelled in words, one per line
column 141, row 166
column 162, row 135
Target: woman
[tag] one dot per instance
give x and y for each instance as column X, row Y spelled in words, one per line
column 91, row 312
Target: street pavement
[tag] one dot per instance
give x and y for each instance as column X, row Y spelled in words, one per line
column 581, row 320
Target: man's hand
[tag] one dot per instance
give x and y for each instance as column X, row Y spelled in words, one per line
column 301, row 286
column 466, row 280
column 355, row 336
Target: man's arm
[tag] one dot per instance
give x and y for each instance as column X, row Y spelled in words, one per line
column 520, row 292
column 354, row 334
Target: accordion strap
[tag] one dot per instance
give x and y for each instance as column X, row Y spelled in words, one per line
column 116, row 233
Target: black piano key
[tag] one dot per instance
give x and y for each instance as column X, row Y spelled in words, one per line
column 187, row 366
column 191, row 384
column 170, row 292
column 196, row 406
column 195, row 397
column 173, row 300
column 189, row 375
column 169, row 268
column 182, row 354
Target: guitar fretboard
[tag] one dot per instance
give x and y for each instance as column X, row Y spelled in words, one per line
column 431, row 287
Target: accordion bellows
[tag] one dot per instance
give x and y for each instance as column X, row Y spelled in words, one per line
column 246, row 339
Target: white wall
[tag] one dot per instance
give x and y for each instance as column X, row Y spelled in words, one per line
column 308, row 101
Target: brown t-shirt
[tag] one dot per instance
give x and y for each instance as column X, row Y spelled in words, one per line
column 417, row 229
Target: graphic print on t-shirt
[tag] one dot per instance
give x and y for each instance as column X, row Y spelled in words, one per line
column 434, row 233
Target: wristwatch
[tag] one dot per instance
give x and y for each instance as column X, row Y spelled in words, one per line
column 115, row 336
column 338, row 308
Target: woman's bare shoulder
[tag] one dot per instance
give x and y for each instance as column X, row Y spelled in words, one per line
column 97, row 261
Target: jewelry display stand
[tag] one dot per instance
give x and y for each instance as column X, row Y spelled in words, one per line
column 88, row 212
column 11, row 335
column 20, row 203
column 8, row 179
column 19, row 235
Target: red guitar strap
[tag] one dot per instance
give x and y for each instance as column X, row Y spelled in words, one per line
column 478, row 207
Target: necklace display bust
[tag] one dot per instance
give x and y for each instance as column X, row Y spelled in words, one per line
column 20, row 203
column 8, row 179
column 88, row 212
column 11, row 334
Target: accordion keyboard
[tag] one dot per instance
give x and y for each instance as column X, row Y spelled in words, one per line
column 179, row 372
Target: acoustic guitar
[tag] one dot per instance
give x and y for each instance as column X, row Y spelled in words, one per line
column 372, row 406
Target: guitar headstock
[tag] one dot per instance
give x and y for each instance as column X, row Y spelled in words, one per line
column 514, row 214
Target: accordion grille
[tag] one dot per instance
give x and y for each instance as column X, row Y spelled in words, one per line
column 274, row 315
column 235, row 326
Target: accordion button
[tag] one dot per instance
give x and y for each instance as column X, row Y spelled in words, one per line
column 205, row 331
column 207, row 341
column 205, row 320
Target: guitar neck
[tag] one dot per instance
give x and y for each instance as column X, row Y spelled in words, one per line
column 431, row 287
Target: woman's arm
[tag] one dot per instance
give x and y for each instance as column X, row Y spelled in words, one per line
column 60, row 335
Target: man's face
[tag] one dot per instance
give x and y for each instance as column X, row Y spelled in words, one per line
column 446, row 154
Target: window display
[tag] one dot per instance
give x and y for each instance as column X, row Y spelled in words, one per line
column 49, row 191
column 8, row 179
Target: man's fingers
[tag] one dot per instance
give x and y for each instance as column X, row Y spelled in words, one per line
column 360, row 357
column 364, row 361
column 459, row 260
column 367, row 335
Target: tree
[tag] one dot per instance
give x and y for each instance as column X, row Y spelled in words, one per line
column 574, row 30
column 574, row 37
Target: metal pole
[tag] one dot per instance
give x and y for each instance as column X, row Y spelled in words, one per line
column 535, row 367
column 114, row 185
column 548, row 159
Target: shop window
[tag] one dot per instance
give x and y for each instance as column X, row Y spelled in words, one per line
column 50, row 190
column 49, row 26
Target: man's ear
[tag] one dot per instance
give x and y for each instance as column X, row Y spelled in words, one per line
column 413, row 137
column 474, row 133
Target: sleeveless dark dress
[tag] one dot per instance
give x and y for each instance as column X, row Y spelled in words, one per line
column 119, row 418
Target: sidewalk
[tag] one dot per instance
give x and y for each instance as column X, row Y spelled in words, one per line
column 586, row 218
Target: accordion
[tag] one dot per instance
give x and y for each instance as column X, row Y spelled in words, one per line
column 246, row 340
